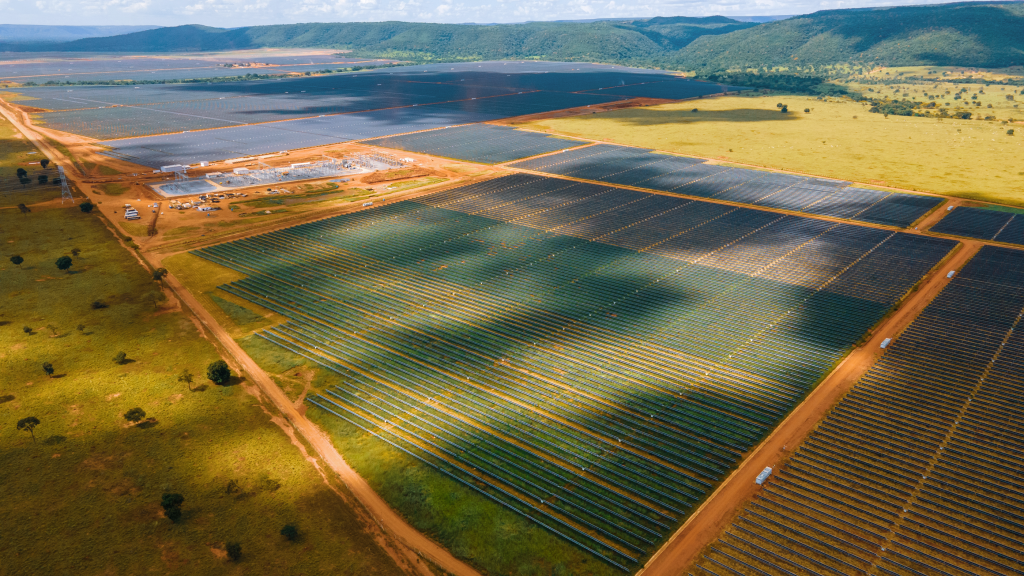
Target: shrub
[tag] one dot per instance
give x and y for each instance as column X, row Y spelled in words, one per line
column 290, row 532
column 234, row 551
column 135, row 415
column 48, row 368
column 86, row 206
column 17, row 260
column 218, row 372
column 807, row 110
column 159, row 273
column 120, row 358
column 63, row 263
column 171, row 504
column 98, row 305
column 1009, row 132
column 76, row 251
column 26, row 329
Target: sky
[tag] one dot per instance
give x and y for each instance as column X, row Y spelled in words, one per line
column 235, row 13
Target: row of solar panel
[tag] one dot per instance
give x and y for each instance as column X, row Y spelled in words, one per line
column 647, row 169
column 984, row 224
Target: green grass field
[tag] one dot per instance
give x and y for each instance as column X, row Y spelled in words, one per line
column 84, row 497
column 17, row 152
column 838, row 139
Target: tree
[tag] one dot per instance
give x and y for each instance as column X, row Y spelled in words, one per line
column 22, row 173
column 26, row 330
column 120, row 358
column 186, row 378
column 807, row 110
column 1009, row 132
column 24, row 209
column 135, row 415
column 171, row 504
column 44, row 163
column 64, row 262
column 234, row 548
column 76, row 251
column 48, row 368
column 159, row 273
column 43, row 179
column 24, row 180
column 785, row 109
column 290, row 532
column 86, row 206
column 28, row 425
column 17, row 260
column 218, row 372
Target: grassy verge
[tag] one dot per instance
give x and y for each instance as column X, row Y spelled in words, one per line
column 84, row 497
column 838, row 139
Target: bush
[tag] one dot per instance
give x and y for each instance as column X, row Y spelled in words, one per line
column 218, row 372
column 98, row 305
column 234, row 551
column 120, row 358
column 63, row 263
column 290, row 532
column 26, row 329
column 86, row 206
column 159, row 273
column 807, row 110
column 135, row 415
column 17, row 260
column 1009, row 132
column 171, row 504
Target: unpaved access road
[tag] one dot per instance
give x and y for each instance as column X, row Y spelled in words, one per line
column 719, row 509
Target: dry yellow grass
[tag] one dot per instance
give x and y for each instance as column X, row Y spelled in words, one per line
column 966, row 158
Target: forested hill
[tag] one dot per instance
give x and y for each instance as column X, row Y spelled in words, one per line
column 964, row 34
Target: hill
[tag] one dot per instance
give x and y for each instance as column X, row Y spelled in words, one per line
column 30, row 33
column 964, row 34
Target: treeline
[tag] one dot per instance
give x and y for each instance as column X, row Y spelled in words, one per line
column 906, row 107
column 797, row 83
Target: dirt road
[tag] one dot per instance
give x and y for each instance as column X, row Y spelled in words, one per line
column 718, row 510
column 382, row 514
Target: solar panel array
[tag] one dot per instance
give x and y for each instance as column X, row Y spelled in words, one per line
column 595, row 359
column 483, row 143
column 984, row 224
column 647, row 169
column 917, row 471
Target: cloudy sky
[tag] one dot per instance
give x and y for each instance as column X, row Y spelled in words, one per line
column 233, row 13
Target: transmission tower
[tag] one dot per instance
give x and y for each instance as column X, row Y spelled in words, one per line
column 65, row 192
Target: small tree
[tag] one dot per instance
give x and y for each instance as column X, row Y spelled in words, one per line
column 22, row 173
column 28, row 425
column 63, row 263
column 234, row 548
column 785, row 109
column 98, row 305
column 86, row 206
column 135, row 415
column 17, row 260
column 24, row 180
column 159, row 273
column 76, row 251
column 1009, row 132
column 44, row 163
column 290, row 532
column 807, row 110
column 48, row 368
column 218, row 372
column 171, row 504
column 24, row 209
column 43, row 179
column 120, row 358
column 26, row 329
column 186, row 378
column 80, row 327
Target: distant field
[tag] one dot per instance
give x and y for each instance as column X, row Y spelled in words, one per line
column 84, row 498
column 965, row 158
